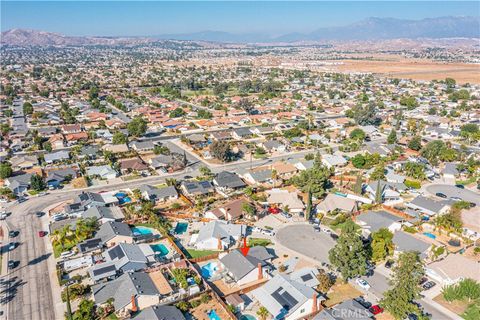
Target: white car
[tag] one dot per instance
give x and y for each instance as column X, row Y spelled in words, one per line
column 66, row 254
column 362, row 284
column 268, row 232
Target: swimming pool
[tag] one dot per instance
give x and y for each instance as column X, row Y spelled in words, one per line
column 141, row 231
column 160, row 249
column 122, row 197
column 212, row 315
column 209, row 269
column 247, row 317
column 430, row 235
column 181, row 227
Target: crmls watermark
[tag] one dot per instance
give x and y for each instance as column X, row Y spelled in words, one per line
column 351, row 314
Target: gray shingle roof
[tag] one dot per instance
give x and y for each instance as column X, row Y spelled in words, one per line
column 229, row 180
column 111, row 229
column 406, row 242
column 239, row 265
column 160, row 312
column 378, row 219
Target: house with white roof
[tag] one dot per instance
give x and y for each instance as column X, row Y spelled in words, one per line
column 218, row 235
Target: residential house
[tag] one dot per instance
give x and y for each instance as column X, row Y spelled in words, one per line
column 56, row 177
column 257, row 177
column 244, row 269
column 18, row 184
column 286, row 200
column 57, row 141
column 428, row 206
column 142, row 146
column 104, row 172
column 128, row 257
column 230, row 211
column 116, row 148
column 89, row 152
column 197, row 188
column 406, row 242
column 130, row 291
column 228, row 182
column 218, row 235
column 452, row 269
column 390, row 192
column 71, row 128
column 273, row 146
column 346, row 310
column 241, row 133
column 133, row 165
column 23, row 162
column 288, row 299
column 113, row 232
column 372, row 221
column 104, row 214
column 57, row 156
column 158, row 194
column 160, row 312
column 304, row 165
column 334, row 202
column 450, row 172
column 334, row 161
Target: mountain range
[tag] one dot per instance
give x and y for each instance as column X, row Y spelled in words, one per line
column 368, row 29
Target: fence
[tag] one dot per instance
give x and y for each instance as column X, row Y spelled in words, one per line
column 205, row 258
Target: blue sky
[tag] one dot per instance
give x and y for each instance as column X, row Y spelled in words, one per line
column 130, row 18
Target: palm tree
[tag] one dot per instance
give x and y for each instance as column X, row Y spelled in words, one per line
column 62, row 236
column 263, row 313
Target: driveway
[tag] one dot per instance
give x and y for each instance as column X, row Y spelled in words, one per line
column 302, row 239
column 452, row 191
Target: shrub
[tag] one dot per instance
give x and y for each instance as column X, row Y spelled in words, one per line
column 412, row 184
column 465, row 289
column 409, row 229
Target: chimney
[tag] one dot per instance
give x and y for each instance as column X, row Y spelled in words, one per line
column 315, row 303
column 134, row 304
column 220, row 245
column 260, row 271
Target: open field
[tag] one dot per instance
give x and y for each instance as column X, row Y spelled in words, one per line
column 417, row 69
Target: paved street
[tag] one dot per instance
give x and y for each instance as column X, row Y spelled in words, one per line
column 303, row 239
column 452, row 191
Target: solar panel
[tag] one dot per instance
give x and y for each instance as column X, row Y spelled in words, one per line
column 104, row 270
column 306, row 277
column 284, row 298
column 116, row 253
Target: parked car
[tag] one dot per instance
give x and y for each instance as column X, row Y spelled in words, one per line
column 362, row 284
column 456, row 199
column 39, row 214
column 461, row 186
column 268, row 232
column 363, row 302
column 12, row 246
column 12, row 233
column 428, row 285
column 441, row 195
column 317, row 228
column 66, row 254
column 286, row 215
column 3, row 216
column 389, row 264
column 472, row 205
column 376, row 309
column 423, row 280
column 58, row 217
column 21, row 199
column 42, row 233
column 12, row 264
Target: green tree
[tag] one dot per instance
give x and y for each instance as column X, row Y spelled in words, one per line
column 85, row 311
column 325, row 281
column 405, row 288
column 177, row 113
column 358, row 184
column 357, row 134
column 27, row 108
column 119, row 138
column 314, row 180
column 248, row 208
column 137, row 127
column 382, row 244
column 349, row 255
column 358, row 161
column 378, row 173
column 263, row 313
column 37, row 183
column 415, row 170
column 392, row 137
column 415, row 143
column 437, row 150
column 5, row 170
column 221, row 151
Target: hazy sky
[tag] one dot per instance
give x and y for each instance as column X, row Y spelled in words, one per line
column 135, row 18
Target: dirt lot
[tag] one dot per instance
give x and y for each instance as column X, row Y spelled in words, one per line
column 398, row 67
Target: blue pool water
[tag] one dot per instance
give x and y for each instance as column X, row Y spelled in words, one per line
column 160, row 249
column 122, row 197
column 181, row 227
column 247, row 317
column 209, row 269
column 212, row 315
column 430, row 235
column 141, row 231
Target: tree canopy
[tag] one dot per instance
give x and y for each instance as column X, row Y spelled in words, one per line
column 137, row 127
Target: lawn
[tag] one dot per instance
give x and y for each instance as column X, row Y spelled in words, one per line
column 199, row 253
column 341, row 292
column 252, row 242
column 456, row 306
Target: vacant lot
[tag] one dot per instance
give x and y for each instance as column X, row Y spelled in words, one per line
column 417, row 69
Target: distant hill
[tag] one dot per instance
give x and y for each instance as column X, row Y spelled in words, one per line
column 368, row 29
column 23, row 37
